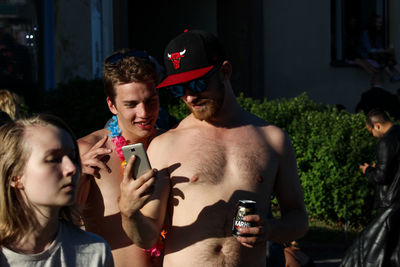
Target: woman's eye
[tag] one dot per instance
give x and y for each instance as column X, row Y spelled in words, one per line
column 54, row 159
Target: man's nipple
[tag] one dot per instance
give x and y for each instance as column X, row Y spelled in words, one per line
column 195, row 178
column 260, row 179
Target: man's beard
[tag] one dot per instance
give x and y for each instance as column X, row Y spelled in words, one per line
column 209, row 107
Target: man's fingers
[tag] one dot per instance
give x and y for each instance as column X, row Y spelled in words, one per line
column 252, row 218
column 128, row 169
column 101, row 142
column 95, row 152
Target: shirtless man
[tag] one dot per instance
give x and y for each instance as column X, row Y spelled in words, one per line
column 216, row 156
column 130, row 86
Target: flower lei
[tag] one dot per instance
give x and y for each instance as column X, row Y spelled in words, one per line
column 119, row 141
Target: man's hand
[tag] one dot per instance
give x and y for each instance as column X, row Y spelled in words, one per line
column 92, row 162
column 364, row 167
column 135, row 192
column 257, row 233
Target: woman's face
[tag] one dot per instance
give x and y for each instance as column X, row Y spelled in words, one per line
column 51, row 173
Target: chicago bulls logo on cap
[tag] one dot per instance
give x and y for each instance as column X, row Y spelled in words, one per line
column 175, row 58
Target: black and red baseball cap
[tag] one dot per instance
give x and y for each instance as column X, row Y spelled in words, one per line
column 191, row 55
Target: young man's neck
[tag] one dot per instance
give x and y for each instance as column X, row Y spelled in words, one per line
column 133, row 139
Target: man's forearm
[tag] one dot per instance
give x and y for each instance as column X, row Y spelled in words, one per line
column 143, row 231
column 291, row 226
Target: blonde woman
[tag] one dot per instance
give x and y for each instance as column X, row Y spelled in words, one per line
column 10, row 103
column 39, row 171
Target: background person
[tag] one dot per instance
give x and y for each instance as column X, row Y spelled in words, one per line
column 10, row 103
column 39, row 172
column 377, row 97
column 379, row 244
column 372, row 48
column 130, row 79
column 216, row 156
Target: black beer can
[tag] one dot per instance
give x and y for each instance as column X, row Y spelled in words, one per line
column 243, row 208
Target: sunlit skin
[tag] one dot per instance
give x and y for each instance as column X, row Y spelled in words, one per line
column 205, row 104
column 51, row 173
column 215, row 156
column 48, row 183
column 136, row 106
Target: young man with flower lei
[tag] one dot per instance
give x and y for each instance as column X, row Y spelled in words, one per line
column 130, row 79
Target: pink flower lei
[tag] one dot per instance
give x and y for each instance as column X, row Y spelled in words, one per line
column 119, row 141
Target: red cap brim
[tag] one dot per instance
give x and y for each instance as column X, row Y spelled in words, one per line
column 184, row 77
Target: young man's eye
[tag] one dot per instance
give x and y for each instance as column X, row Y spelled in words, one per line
column 131, row 105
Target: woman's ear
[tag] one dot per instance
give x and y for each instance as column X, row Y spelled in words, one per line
column 226, row 70
column 16, row 182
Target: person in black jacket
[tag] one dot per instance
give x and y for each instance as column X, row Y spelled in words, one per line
column 379, row 243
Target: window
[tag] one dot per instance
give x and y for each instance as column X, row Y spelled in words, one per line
column 18, row 45
column 348, row 19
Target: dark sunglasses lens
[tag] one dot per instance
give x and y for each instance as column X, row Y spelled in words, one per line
column 176, row 90
column 198, row 86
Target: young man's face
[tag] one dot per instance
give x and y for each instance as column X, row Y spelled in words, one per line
column 136, row 106
column 206, row 104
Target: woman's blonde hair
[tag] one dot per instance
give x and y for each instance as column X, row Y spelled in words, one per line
column 16, row 215
column 10, row 103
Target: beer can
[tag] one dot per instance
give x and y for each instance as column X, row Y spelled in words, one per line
column 243, row 208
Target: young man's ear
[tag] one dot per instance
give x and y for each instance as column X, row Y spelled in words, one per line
column 226, row 70
column 16, row 183
column 111, row 106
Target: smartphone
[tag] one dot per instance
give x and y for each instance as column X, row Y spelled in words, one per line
column 142, row 163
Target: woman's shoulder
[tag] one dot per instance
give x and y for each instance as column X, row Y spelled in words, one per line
column 78, row 236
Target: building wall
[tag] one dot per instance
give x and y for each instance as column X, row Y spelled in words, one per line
column 151, row 26
column 297, row 56
column 73, row 47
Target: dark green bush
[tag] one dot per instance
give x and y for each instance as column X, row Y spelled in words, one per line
column 329, row 144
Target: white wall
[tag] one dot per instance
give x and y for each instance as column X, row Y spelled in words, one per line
column 297, row 56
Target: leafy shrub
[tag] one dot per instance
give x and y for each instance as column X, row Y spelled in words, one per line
column 329, row 146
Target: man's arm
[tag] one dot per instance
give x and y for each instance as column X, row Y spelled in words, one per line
column 143, row 203
column 380, row 172
column 293, row 223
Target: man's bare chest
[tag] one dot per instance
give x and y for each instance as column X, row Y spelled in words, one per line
column 238, row 161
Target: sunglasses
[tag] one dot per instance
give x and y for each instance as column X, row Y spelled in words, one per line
column 120, row 56
column 195, row 86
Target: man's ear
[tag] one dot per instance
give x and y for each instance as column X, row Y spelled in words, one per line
column 377, row 126
column 111, row 106
column 226, row 70
column 16, row 182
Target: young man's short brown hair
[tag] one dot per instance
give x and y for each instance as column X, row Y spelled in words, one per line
column 127, row 66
